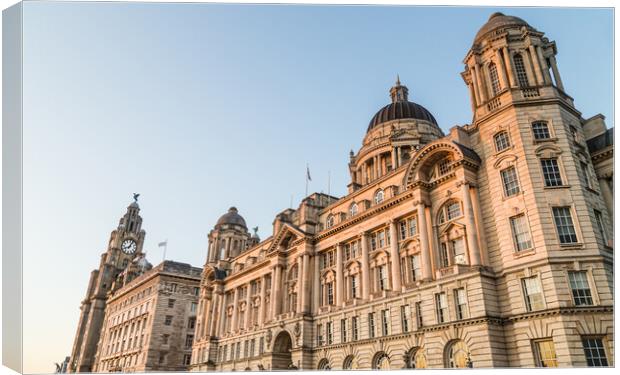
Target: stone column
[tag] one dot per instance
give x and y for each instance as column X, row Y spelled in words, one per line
column 472, row 94
column 262, row 308
column 501, row 69
column 536, row 63
column 365, row 268
column 481, row 86
column 339, row 276
column 474, row 81
column 608, row 196
column 316, row 292
column 399, row 159
column 248, row 307
column 509, row 67
column 218, row 301
column 556, row 73
column 394, row 165
column 472, row 232
column 543, row 65
column 305, row 294
column 424, row 243
column 277, row 303
column 222, row 311
column 272, row 309
column 395, row 257
column 235, row 317
column 301, row 282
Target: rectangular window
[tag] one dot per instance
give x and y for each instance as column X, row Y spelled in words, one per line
column 594, row 350
column 196, row 291
column 168, row 320
column 191, row 322
column 412, row 223
column 502, row 141
column 381, row 238
column 385, row 322
column 441, row 303
column 371, row 325
column 354, row 286
column 354, row 328
column 347, row 252
column 238, row 350
column 494, row 79
column 330, row 293
column 460, row 300
column 246, row 348
column 343, row 330
column 444, row 167
column 416, row 271
column 509, row 179
column 193, row 307
column 252, row 347
column 403, row 229
column 533, row 293
column 187, row 359
column 382, row 273
column 330, row 333
column 458, row 247
column 580, row 288
column 540, row 130
column 545, row 353
column 454, row 210
column 189, row 341
column 261, row 345
column 601, row 227
column 520, row 69
column 551, row 172
column 564, row 225
column 585, row 171
column 171, row 303
column 444, row 257
column 520, row 233
column 405, row 313
column 373, row 241
column 319, row 334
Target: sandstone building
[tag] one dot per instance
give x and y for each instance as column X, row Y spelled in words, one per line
column 490, row 246
column 149, row 322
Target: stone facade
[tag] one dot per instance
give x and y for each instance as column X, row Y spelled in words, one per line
column 491, row 246
column 149, row 323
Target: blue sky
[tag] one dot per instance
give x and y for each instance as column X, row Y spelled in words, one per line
column 199, row 107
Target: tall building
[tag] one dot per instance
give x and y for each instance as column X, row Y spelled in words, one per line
column 490, row 246
column 124, row 246
column 149, row 322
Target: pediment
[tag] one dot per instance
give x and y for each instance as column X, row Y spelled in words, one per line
column 285, row 237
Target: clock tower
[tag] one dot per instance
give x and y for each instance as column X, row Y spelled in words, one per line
column 124, row 246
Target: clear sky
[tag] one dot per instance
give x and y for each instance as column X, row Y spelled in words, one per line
column 200, row 107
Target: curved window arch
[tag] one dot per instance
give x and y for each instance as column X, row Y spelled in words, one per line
column 415, row 358
column 324, row 364
column 347, row 364
column 501, row 140
column 330, row 221
column 381, row 361
column 457, row 354
column 494, row 79
column 379, row 196
column 353, row 209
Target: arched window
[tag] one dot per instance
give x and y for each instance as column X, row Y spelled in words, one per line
column 457, row 355
column 353, row 209
column 330, row 221
column 502, row 141
column 324, row 364
column 415, row 358
column 348, row 363
column 494, row 79
column 520, row 69
column 379, row 197
column 381, row 361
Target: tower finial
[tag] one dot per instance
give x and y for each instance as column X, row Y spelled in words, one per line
column 397, row 79
column 398, row 92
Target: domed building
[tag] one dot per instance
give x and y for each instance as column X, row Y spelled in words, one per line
column 490, row 245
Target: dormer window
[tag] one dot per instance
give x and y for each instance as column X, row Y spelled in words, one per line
column 379, row 195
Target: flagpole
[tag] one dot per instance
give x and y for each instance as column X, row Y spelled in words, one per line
column 165, row 248
column 307, row 174
column 328, row 182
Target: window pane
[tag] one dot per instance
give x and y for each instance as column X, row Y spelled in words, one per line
column 533, row 293
column 509, row 179
column 494, row 79
column 595, row 352
column 580, row 288
column 520, row 69
column 501, row 141
column 546, row 354
column 551, row 172
column 564, row 224
column 520, row 233
column 540, row 130
column 454, row 210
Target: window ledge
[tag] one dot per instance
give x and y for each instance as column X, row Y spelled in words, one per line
column 524, row 253
column 546, row 140
column 498, row 153
column 557, row 187
column 505, row 198
column 591, row 190
column 570, row 246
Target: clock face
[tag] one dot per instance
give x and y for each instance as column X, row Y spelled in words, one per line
column 129, row 246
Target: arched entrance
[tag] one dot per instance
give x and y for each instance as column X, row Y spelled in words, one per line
column 381, row 361
column 281, row 357
column 324, row 364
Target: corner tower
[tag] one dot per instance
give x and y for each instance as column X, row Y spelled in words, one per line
column 124, row 246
